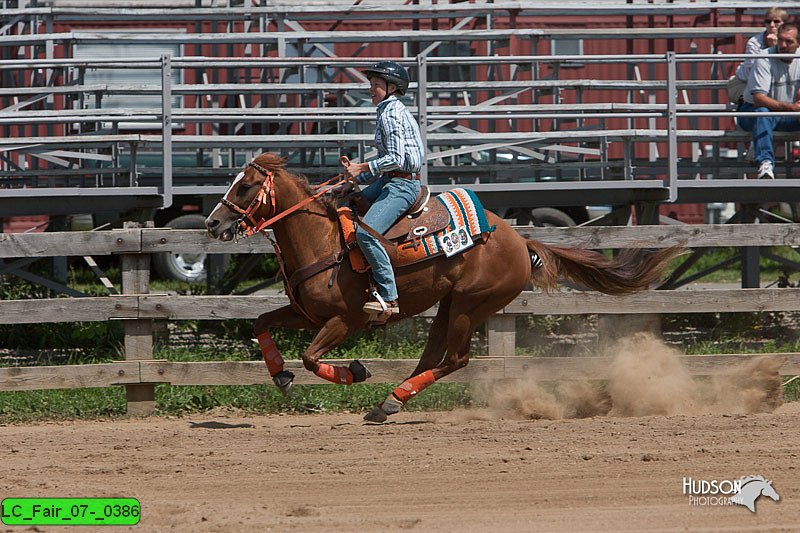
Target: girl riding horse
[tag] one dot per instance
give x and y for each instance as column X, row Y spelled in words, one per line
column 327, row 294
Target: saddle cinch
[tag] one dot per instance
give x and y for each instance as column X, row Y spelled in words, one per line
column 407, row 234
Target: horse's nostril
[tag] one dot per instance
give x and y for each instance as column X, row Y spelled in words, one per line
column 212, row 223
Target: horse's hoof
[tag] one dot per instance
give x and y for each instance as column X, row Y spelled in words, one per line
column 284, row 381
column 391, row 405
column 377, row 415
column 359, row 371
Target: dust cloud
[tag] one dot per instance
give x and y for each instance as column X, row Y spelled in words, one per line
column 646, row 377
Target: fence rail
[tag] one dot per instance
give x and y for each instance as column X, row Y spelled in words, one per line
column 138, row 308
column 172, row 307
column 150, row 240
column 149, row 373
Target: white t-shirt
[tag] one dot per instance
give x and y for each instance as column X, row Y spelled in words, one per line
column 755, row 45
column 773, row 77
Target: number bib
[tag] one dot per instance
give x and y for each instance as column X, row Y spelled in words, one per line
column 455, row 241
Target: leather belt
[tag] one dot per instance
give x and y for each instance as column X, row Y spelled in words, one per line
column 404, row 175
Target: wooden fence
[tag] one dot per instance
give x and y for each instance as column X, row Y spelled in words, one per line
column 138, row 308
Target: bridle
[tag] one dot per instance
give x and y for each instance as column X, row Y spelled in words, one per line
column 250, row 224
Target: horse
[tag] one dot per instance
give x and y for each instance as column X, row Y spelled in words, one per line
column 326, row 293
column 751, row 487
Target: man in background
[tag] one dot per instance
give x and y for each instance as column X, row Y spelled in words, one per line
column 772, row 86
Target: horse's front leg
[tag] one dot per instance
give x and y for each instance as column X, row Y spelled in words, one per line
column 332, row 334
column 284, row 317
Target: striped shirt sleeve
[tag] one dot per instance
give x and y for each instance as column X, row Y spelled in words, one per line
column 398, row 141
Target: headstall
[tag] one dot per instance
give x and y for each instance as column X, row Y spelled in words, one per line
column 248, row 225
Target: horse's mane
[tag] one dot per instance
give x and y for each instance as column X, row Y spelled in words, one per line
column 277, row 164
column 745, row 480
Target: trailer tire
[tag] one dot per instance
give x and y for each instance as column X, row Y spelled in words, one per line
column 183, row 266
column 544, row 216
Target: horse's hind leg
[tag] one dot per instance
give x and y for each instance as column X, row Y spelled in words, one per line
column 436, row 345
column 458, row 335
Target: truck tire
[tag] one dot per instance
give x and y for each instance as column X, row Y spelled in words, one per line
column 188, row 267
column 544, row 216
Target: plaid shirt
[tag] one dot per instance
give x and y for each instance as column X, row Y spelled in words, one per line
column 397, row 139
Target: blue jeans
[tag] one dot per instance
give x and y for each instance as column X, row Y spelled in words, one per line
column 762, row 128
column 390, row 198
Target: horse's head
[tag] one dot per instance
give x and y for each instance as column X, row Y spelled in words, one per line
column 769, row 491
column 248, row 202
column 751, row 488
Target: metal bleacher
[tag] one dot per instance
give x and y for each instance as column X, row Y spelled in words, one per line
column 523, row 126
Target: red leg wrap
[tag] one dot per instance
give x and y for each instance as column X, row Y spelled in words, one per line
column 335, row 374
column 270, row 352
column 407, row 389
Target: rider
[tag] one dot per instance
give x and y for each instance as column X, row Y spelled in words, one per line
column 396, row 167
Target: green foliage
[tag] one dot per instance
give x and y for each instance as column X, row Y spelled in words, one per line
column 398, row 341
column 95, row 341
column 303, row 398
column 266, row 267
column 770, row 269
column 546, row 325
column 203, row 353
column 12, row 288
column 87, row 342
column 791, row 391
column 82, row 278
column 61, row 404
column 263, row 399
column 734, row 332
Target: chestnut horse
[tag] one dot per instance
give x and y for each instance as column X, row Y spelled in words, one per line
column 469, row 287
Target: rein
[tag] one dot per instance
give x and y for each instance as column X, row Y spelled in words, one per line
column 248, row 225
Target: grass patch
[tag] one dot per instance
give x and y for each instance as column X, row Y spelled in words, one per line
column 27, row 406
column 770, row 269
column 35, row 406
column 265, row 399
column 791, row 391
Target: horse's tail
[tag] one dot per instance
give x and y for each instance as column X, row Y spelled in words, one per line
column 630, row 271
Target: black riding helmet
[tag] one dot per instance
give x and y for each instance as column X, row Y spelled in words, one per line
column 390, row 72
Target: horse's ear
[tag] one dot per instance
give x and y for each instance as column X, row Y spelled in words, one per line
column 271, row 161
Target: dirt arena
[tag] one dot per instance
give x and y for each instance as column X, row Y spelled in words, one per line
column 457, row 471
column 569, row 458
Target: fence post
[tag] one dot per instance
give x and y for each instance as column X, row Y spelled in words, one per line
column 501, row 335
column 138, row 332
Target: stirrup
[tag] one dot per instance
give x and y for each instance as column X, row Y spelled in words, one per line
column 380, row 311
column 380, row 306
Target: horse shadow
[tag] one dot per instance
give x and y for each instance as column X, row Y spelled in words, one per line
column 218, row 425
